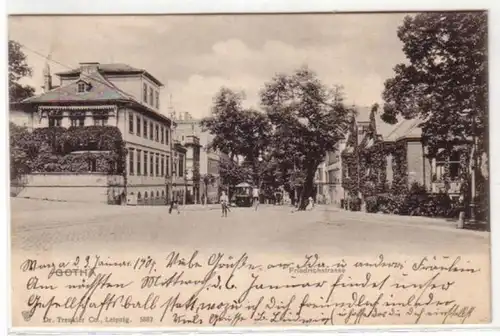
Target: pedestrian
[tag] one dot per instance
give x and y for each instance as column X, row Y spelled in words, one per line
column 174, row 205
column 255, row 195
column 224, row 204
column 310, row 203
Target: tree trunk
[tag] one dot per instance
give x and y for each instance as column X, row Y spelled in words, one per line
column 308, row 188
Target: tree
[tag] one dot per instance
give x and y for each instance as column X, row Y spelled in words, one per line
column 444, row 81
column 208, row 179
column 233, row 173
column 18, row 69
column 21, row 144
column 237, row 131
column 308, row 118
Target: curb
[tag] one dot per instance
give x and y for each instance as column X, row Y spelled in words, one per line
column 414, row 221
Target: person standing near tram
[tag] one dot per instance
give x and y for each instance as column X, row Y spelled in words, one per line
column 255, row 196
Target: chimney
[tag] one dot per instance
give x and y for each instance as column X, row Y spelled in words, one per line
column 47, row 78
column 187, row 116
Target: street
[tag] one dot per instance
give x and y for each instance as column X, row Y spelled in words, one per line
column 49, row 226
column 52, row 233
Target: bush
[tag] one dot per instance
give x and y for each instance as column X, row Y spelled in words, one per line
column 372, row 204
column 415, row 202
column 51, row 150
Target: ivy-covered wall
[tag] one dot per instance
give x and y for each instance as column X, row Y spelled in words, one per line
column 100, row 149
column 350, row 173
column 373, row 169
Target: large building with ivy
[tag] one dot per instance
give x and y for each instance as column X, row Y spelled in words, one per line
column 101, row 136
column 382, row 158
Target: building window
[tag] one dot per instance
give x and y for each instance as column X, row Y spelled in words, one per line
column 455, row 166
column 131, row 156
column 166, row 136
column 55, row 121
column 438, row 174
column 138, row 125
column 157, row 133
column 157, row 100
column 181, row 165
column 150, row 130
column 162, row 133
column 139, row 162
column 101, row 121
column 151, row 102
column 162, row 165
column 145, row 131
column 157, row 165
column 131, row 123
column 145, row 163
column 151, row 164
column 78, row 122
column 167, row 166
column 145, row 92
column 82, row 87
column 439, row 168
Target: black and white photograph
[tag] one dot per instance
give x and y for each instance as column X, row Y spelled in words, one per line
column 249, row 170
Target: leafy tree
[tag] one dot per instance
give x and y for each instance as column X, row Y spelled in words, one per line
column 237, row 131
column 233, row 173
column 18, row 69
column 20, row 145
column 208, row 179
column 308, row 118
column 444, row 80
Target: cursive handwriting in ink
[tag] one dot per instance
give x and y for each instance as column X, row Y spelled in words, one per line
column 426, row 265
column 174, row 259
column 381, row 263
column 368, row 283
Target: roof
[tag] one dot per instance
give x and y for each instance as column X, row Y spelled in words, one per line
column 243, row 185
column 101, row 90
column 383, row 128
column 113, row 68
column 406, row 128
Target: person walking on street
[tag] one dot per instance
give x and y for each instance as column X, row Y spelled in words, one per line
column 224, row 202
column 174, row 205
column 255, row 195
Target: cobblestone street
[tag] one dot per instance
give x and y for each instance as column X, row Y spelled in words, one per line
column 45, row 226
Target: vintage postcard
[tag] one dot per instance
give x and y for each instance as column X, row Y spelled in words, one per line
column 249, row 170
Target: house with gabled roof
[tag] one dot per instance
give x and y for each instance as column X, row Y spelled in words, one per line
column 381, row 157
column 101, row 95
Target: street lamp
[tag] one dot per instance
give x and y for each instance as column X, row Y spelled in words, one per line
column 472, row 165
column 473, row 172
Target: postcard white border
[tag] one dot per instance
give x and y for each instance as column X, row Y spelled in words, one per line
column 262, row 6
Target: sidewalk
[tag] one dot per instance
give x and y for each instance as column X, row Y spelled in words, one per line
column 393, row 219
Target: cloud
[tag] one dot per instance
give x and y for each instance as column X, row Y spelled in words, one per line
column 233, row 64
column 196, row 55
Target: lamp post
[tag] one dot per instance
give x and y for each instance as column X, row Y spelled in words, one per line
column 260, row 159
column 472, row 166
column 473, row 172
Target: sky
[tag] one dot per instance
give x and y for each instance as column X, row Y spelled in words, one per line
column 196, row 55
